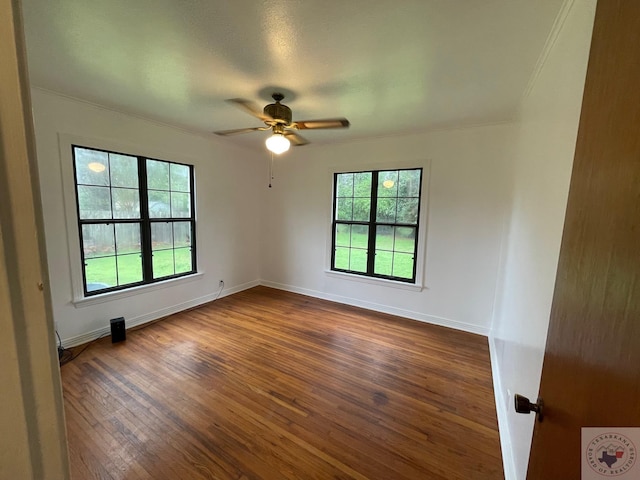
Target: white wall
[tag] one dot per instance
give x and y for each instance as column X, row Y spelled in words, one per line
column 467, row 193
column 545, row 144
column 227, row 195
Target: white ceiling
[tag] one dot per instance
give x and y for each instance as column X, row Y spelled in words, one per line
column 389, row 66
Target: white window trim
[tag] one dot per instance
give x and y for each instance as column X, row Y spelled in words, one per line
column 421, row 256
column 65, row 143
column 137, row 290
column 415, row 287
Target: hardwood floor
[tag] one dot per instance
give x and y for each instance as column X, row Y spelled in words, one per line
column 266, row 384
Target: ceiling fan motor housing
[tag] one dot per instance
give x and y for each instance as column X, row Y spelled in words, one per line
column 280, row 113
column 277, row 118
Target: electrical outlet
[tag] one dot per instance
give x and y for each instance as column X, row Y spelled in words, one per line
column 56, row 326
column 221, row 283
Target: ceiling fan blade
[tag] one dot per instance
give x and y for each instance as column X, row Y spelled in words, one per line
column 251, row 108
column 239, row 130
column 296, row 139
column 326, row 123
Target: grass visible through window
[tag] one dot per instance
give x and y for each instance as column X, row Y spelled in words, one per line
column 387, row 263
column 102, row 270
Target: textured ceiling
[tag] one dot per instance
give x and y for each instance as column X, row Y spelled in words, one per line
column 390, row 67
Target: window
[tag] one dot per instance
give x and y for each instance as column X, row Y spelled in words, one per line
column 375, row 223
column 135, row 218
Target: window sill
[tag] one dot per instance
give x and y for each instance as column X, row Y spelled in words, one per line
column 375, row 281
column 129, row 292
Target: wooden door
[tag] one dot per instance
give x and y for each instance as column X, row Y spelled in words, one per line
column 591, row 373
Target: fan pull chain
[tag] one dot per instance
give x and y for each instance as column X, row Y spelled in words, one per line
column 271, row 169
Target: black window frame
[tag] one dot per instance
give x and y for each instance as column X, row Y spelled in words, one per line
column 145, row 222
column 372, row 225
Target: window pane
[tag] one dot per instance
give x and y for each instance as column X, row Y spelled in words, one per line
column 182, row 234
column 159, row 204
column 360, row 236
column 100, row 273
column 157, row 175
column 97, row 240
column 161, row 235
column 361, row 209
column 162, row 263
column 343, row 235
column 405, row 239
column 128, row 238
column 388, row 184
column 354, row 258
column 129, row 268
column 386, row 211
column 383, row 262
column 345, row 209
column 403, row 265
column 94, row 202
column 345, row 185
column 409, row 183
column 180, row 205
column 126, row 203
column 180, row 178
column 92, row 167
column 162, row 249
column 124, row 170
column 362, row 184
column 384, row 237
column 183, row 260
column 407, row 210
column 342, row 258
column 358, row 261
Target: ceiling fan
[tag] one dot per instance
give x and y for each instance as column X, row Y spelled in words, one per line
column 277, row 117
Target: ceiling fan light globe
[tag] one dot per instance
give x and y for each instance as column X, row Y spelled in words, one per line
column 278, row 143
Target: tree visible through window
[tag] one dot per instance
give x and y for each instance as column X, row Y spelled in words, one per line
column 375, row 223
column 136, row 219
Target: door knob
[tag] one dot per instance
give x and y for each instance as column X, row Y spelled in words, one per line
column 523, row 405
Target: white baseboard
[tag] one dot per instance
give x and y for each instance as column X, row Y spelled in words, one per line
column 163, row 312
column 444, row 322
column 508, row 462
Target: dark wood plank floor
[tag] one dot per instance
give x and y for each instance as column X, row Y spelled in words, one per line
column 266, row 384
